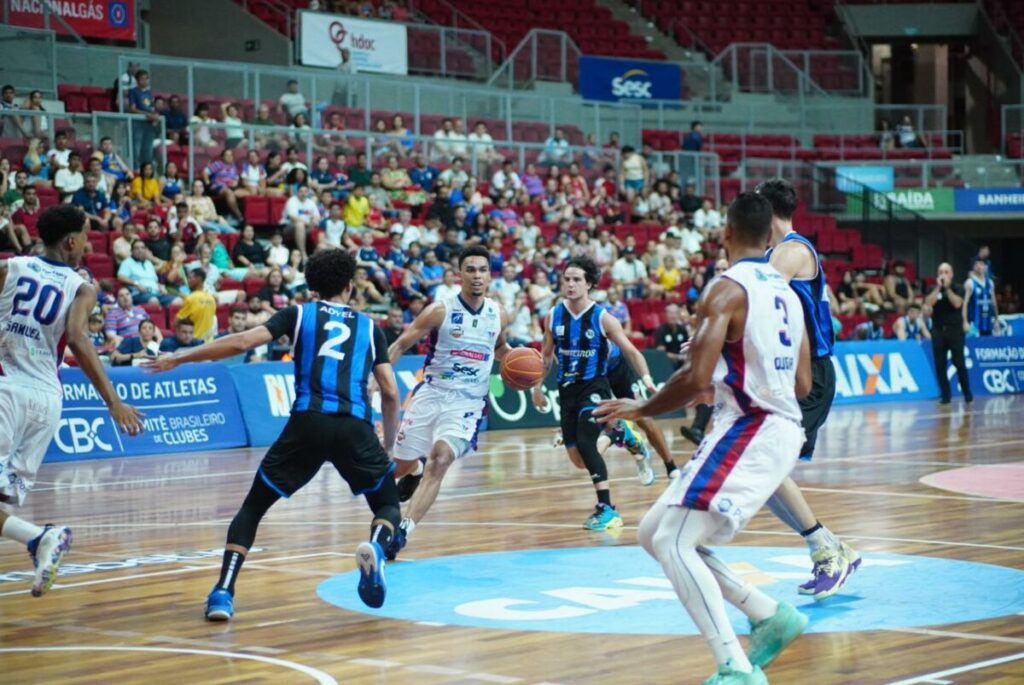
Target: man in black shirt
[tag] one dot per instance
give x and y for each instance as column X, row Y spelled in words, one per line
column 395, row 326
column 670, row 336
column 158, row 244
column 948, row 326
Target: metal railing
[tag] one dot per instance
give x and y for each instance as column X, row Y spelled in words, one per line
column 1011, row 121
column 29, row 58
column 443, row 51
column 85, row 130
column 836, row 117
column 51, row 21
column 761, row 68
column 839, row 72
column 455, row 18
column 278, row 9
column 531, row 61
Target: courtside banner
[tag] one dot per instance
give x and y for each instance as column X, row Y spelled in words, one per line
column 989, row 199
column 107, row 19
column 191, row 408
column 883, row 371
column 995, row 366
column 628, row 80
column 267, row 392
column 378, row 46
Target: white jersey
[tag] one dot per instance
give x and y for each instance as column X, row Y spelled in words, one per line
column 462, row 349
column 34, row 304
column 757, row 374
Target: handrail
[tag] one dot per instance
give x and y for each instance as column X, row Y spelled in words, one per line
column 772, row 53
column 529, row 42
column 456, row 15
column 858, row 40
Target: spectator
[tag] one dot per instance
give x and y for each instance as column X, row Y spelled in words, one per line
column 507, row 287
column 273, row 295
column 184, row 337
column 423, row 174
column 906, row 136
column 505, row 182
column 668, row 277
column 292, row 102
column 38, row 124
column 187, row 229
column 300, row 215
column 125, row 82
column 68, row 181
column 365, row 294
column 707, row 219
column 872, row 329
column 94, row 203
column 175, row 120
column 335, row 230
column 199, row 308
column 13, row 237
column 541, row 294
column 360, row 174
column 380, row 201
column 265, row 139
column 299, row 130
column 172, row 187
column 95, row 166
column 671, row 337
column 249, row 255
column 395, row 180
column 321, row 178
column 222, row 177
column 121, row 248
column 277, row 253
column 59, row 156
column 234, row 134
column 660, row 203
column 556, row 150
column 532, row 182
column 254, row 175
column 403, row 140
column 357, row 208
column 157, row 244
column 912, row 326
column 213, row 281
column 140, row 101
column 123, row 319
column 847, row 297
column 872, row 295
column 237, row 323
column 96, row 336
column 395, row 326
column 144, row 344
column 448, row 287
column 15, row 191
column 201, row 207
column 482, row 145
column 690, row 202
column 11, row 125
column 432, row 273
column 694, row 140
column 112, row 163
column 256, row 315
column 690, row 239
column 948, row 328
column 886, row 139
column 455, row 176
column 139, row 274
column 634, row 173
column 276, row 174
column 145, row 188
column 38, row 171
column 898, row 290
column 524, row 324
column 630, row 273
column 172, row 272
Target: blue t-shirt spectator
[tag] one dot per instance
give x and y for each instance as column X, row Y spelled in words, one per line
column 497, row 261
column 172, row 344
column 90, row 204
column 693, row 141
column 142, row 99
column 424, row 177
column 433, row 272
column 396, row 257
column 131, row 346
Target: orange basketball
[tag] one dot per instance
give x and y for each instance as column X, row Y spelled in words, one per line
column 522, row 368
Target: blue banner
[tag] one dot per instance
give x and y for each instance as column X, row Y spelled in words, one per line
column 883, row 371
column 189, row 409
column 269, row 391
column 995, row 366
column 988, row 199
column 628, row 80
column 849, row 179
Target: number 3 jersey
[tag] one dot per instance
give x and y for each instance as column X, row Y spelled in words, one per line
column 34, row 304
column 335, row 350
column 462, row 348
column 757, row 374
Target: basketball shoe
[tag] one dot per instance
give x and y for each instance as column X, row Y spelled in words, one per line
column 220, row 605
column 398, row 541
column 47, row 551
column 727, row 675
column 603, row 518
column 831, row 569
column 370, row 561
column 769, row 637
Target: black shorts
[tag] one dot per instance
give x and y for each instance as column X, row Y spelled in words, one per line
column 623, row 380
column 577, row 398
column 816, row 406
column 311, row 439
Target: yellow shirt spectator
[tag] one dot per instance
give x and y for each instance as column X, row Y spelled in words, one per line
column 357, row 210
column 669, row 279
column 145, row 189
column 201, row 308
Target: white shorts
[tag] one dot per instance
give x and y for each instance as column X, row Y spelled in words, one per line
column 736, row 469
column 435, row 415
column 29, row 419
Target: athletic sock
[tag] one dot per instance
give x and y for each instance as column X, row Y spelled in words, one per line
column 409, row 526
column 703, row 415
column 819, row 537
column 604, row 497
column 756, row 605
column 229, row 570
column 20, row 530
column 418, row 471
column 380, row 534
column 670, row 467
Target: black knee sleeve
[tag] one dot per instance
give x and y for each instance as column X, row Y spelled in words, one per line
column 384, row 502
column 261, row 497
column 587, row 433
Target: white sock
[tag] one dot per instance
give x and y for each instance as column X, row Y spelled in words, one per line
column 675, row 542
column 755, row 604
column 821, row 538
column 409, row 525
column 18, row 529
column 418, row 471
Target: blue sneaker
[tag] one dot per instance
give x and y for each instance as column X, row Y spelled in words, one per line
column 370, row 560
column 397, row 543
column 220, row 605
column 603, row 518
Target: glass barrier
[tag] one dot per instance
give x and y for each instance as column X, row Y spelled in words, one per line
column 1012, row 127
column 29, row 59
column 543, row 55
column 838, row 72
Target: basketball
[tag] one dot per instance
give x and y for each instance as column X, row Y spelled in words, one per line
column 522, row 368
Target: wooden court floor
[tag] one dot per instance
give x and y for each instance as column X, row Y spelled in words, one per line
column 119, row 620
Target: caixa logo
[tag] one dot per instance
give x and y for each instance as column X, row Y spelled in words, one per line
column 630, row 85
column 77, row 435
column 999, row 381
column 859, row 375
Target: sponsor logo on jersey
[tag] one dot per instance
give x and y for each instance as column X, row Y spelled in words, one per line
column 595, row 397
column 559, row 330
column 589, row 334
column 471, row 354
column 456, row 331
column 469, row 371
column 457, row 317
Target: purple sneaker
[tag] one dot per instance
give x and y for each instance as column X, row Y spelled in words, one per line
column 831, row 569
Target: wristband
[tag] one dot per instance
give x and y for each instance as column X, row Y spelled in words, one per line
column 647, row 379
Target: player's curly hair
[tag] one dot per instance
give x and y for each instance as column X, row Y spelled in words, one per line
column 590, row 271
column 58, row 222
column 782, row 196
column 329, row 272
column 474, row 251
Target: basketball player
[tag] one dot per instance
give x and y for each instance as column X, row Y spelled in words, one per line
column 578, row 334
column 912, row 325
column 795, row 258
column 335, row 349
column 45, row 304
column 980, row 308
column 750, row 342
column 441, row 421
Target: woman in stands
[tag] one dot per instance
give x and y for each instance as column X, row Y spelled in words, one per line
column 395, row 179
column 39, row 126
column 201, row 206
column 145, row 188
column 171, row 186
column 172, row 272
column 633, row 172
column 201, row 119
column 402, row 136
column 249, row 256
column 299, row 130
column 120, row 204
column 35, row 165
column 276, row 174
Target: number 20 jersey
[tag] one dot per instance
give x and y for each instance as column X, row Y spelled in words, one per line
column 757, row 374
column 34, row 305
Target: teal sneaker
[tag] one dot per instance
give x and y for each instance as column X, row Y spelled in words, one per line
column 727, row 675
column 769, row 637
column 603, row 518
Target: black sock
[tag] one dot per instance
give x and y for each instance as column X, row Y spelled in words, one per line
column 380, row 534
column 670, row 466
column 229, row 570
column 703, row 415
column 813, row 529
column 604, row 497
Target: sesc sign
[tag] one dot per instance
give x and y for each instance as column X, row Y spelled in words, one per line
column 630, row 80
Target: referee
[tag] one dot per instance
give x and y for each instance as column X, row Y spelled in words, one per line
column 948, row 326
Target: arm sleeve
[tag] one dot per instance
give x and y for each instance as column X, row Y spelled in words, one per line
column 283, row 322
column 380, row 347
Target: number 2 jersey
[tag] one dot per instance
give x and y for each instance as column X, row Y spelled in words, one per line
column 34, row 305
column 757, row 373
column 335, row 350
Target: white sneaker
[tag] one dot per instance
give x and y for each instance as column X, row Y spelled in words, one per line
column 644, row 471
column 603, row 443
column 557, row 440
column 49, row 551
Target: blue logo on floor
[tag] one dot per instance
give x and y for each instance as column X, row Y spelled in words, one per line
column 622, row 590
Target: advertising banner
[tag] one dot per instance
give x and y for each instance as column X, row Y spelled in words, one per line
column 267, row 391
column 989, row 199
column 883, row 371
column 628, row 80
column 191, row 408
column 377, row 46
column 995, row 365
column 849, row 179
column 921, row 200
column 107, row 19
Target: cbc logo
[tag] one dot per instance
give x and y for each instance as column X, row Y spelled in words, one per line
column 998, row 381
column 81, row 436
